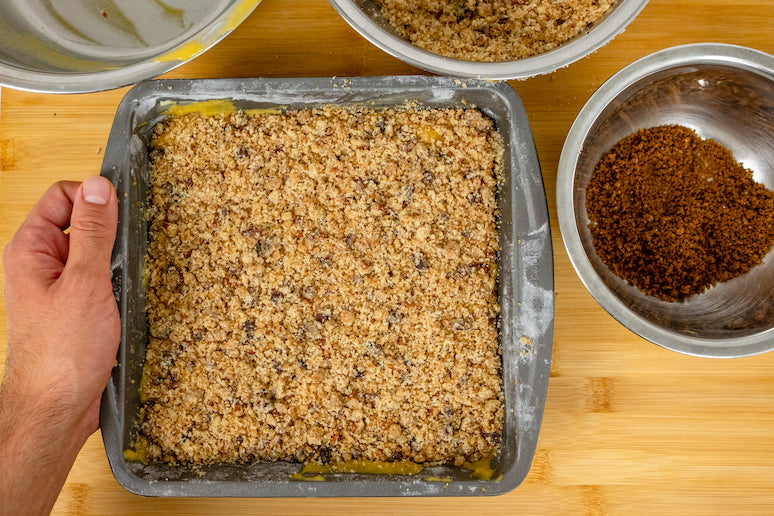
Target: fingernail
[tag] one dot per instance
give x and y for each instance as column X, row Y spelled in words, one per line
column 96, row 190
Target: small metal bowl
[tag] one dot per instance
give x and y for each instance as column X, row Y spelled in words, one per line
column 92, row 46
column 366, row 18
column 725, row 93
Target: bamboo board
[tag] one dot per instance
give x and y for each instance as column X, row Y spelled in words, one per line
column 629, row 428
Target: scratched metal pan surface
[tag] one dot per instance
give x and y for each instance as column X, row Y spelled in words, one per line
column 525, row 285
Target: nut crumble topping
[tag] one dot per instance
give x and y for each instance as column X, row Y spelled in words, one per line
column 491, row 30
column 321, row 287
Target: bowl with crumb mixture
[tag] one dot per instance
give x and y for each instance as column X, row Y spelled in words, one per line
column 489, row 39
column 328, row 287
column 665, row 197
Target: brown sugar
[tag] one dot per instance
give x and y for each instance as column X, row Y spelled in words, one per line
column 674, row 214
column 491, row 30
column 321, row 288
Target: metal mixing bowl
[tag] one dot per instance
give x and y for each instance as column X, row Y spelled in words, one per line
column 81, row 46
column 366, row 18
column 725, row 93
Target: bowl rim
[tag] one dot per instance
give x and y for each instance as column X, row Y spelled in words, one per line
column 610, row 26
column 708, row 53
column 169, row 58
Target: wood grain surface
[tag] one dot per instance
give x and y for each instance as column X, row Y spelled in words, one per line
column 629, row 428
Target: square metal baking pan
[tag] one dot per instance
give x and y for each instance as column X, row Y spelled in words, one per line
column 525, row 284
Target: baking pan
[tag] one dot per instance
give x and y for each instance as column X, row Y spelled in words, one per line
column 525, row 285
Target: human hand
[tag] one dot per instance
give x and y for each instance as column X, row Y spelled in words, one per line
column 63, row 334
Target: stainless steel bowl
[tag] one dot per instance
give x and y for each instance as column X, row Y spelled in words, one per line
column 725, row 93
column 366, row 18
column 78, row 46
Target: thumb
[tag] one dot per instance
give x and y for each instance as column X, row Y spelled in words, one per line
column 93, row 225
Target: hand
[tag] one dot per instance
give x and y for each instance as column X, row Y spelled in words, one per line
column 63, row 334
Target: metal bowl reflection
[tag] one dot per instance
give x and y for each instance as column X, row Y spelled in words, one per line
column 82, row 46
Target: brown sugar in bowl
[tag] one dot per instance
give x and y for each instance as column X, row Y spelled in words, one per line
column 674, row 214
column 724, row 93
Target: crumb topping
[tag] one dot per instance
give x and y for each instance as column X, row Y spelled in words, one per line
column 491, row 30
column 321, row 287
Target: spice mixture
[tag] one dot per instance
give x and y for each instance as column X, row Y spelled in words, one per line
column 321, row 288
column 674, row 214
column 491, row 30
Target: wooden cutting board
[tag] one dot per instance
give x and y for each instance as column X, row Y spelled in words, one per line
column 629, row 428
